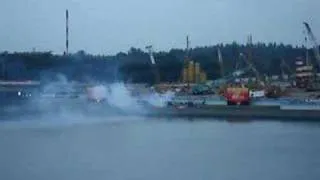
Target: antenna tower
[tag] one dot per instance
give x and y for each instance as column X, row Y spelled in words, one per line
column 67, row 32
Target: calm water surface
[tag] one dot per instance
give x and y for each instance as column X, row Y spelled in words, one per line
column 161, row 150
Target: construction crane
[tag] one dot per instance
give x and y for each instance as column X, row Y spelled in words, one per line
column 253, row 68
column 230, row 77
column 220, row 62
column 307, row 50
column 153, row 65
column 227, row 78
column 313, row 39
column 248, row 60
column 314, row 84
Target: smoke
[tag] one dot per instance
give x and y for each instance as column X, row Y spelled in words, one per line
column 159, row 100
column 120, row 97
column 47, row 100
column 56, row 104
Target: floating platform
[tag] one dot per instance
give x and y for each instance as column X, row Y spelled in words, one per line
column 247, row 112
column 272, row 110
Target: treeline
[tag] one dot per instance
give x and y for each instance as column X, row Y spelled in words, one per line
column 134, row 65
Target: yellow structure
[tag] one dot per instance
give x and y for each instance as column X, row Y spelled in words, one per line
column 203, row 77
column 197, row 72
column 191, row 72
column 185, row 75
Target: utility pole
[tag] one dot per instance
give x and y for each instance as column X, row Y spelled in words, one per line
column 188, row 46
column 250, row 48
column 67, row 32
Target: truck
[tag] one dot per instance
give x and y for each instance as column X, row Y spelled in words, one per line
column 237, row 96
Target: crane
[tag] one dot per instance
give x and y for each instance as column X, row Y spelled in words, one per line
column 227, row 78
column 313, row 39
column 153, row 64
column 230, row 77
column 248, row 60
column 150, row 51
column 220, row 62
column 253, row 68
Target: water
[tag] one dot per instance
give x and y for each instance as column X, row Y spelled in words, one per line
column 145, row 149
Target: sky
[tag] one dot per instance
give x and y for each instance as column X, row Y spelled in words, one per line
column 111, row 26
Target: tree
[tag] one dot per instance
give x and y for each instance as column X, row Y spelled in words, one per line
column 134, row 66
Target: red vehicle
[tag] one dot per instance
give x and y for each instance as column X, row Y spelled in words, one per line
column 237, row 96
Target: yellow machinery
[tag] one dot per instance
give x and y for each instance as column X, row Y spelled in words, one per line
column 185, row 75
column 197, row 72
column 192, row 73
column 203, row 77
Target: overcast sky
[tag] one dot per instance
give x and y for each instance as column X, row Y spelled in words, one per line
column 110, row 26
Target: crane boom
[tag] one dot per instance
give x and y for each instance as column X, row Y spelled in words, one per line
column 230, row 77
column 220, row 62
column 254, row 69
column 313, row 39
column 153, row 65
column 150, row 51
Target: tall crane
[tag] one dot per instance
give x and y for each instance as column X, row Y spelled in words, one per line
column 220, row 62
column 307, row 50
column 249, row 62
column 253, row 68
column 313, row 39
column 153, row 64
column 227, row 78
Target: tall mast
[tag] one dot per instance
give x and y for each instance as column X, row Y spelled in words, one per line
column 67, row 32
column 188, row 47
column 250, row 48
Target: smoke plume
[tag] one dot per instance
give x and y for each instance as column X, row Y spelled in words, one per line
column 58, row 104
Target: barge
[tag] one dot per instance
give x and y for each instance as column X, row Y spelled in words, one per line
column 248, row 112
column 212, row 106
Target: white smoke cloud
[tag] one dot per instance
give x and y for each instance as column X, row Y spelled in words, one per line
column 118, row 95
column 159, row 100
column 121, row 97
column 118, row 101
